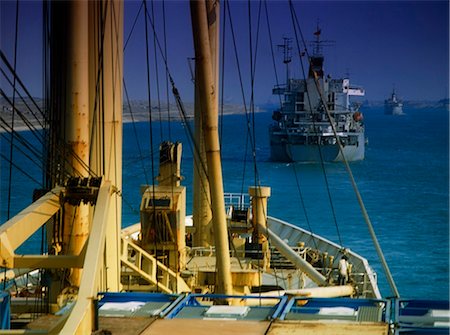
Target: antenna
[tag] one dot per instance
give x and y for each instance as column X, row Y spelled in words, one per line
column 318, row 44
column 287, row 55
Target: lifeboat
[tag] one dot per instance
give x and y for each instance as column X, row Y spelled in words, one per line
column 357, row 116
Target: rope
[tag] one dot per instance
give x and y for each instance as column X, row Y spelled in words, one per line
column 175, row 91
column 358, row 195
column 157, row 76
column 13, row 111
column 97, row 116
column 135, row 133
column 22, row 98
column 167, row 76
column 252, row 96
column 117, row 78
column 322, row 164
column 222, row 84
column 26, row 154
column 133, row 26
column 151, row 126
column 280, row 102
column 249, row 131
column 20, row 82
column 30, row 126
column 20, row 169
column 271, row 47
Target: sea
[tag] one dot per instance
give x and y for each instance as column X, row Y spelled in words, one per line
column 404, row 182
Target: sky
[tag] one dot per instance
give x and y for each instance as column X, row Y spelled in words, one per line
column 379, row 44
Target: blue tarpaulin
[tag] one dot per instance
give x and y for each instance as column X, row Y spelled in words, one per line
column 5, row 316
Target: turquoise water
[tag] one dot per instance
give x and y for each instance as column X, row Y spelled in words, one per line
column 403, row 181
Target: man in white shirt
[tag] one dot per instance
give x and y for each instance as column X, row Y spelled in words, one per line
column 343, row 270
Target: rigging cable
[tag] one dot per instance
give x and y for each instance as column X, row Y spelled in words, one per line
column 277, row 83
column 133, row 26
column 141, row 156
column 157, row 75
column 166, row 74
column 175, row 91
column 252, row 99
column 149, row 89
column 172, row 172
column 39, row 136
column 101, row 70
column 22, row 85
column 138, row 144
column 248, row 137
column 23, row 99
column 178, row 100
column 20, row 169
column 151, row 131
column 96, row 117
column 46, row 88
column 251, row 134
column 281, row 106
column 26, row 154
column 296, row 26
column 222, row 84
column 13, row 110
column 248, row 123
column 117, row 77
column 360, row 201
column 271, row 48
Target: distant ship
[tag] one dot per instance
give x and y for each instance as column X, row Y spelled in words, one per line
column 303, row 131
column 393, row 106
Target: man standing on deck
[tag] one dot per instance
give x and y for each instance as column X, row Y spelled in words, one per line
column 343, row 270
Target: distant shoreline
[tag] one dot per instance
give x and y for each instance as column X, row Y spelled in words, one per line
column 140, row 111
column 139, row 116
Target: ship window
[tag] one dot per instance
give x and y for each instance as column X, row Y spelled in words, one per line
column 158, row 202
column 299, row 106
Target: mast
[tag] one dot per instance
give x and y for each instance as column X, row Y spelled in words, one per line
column 209, row 107
column 86, row 115
column 201, row 213
column 105, row 100
column 287, row 58
column 70, row 115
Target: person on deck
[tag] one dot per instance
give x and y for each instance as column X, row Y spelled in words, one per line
column 343, row 270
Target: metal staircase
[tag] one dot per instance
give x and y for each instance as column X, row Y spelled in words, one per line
column 140, row 263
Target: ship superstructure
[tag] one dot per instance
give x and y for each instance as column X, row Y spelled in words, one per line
column 303, row 131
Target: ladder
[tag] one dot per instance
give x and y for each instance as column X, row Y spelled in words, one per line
column 146, row 266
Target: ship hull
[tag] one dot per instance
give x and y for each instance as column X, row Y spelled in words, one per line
column 284, row 150
column 394, row 110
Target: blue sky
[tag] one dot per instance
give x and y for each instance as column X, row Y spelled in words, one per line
column 379, row 43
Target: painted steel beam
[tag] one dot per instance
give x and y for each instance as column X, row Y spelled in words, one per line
column 48, row 261
column 80, row 320
column 19, row 228
column 291, row 255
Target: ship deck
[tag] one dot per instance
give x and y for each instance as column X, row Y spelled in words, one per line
column 155, row 326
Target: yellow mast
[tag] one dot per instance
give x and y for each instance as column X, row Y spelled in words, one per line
column 208, row 101
column 76, row 117
column 201, row 214
column 106, row 159
column 87, row 101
